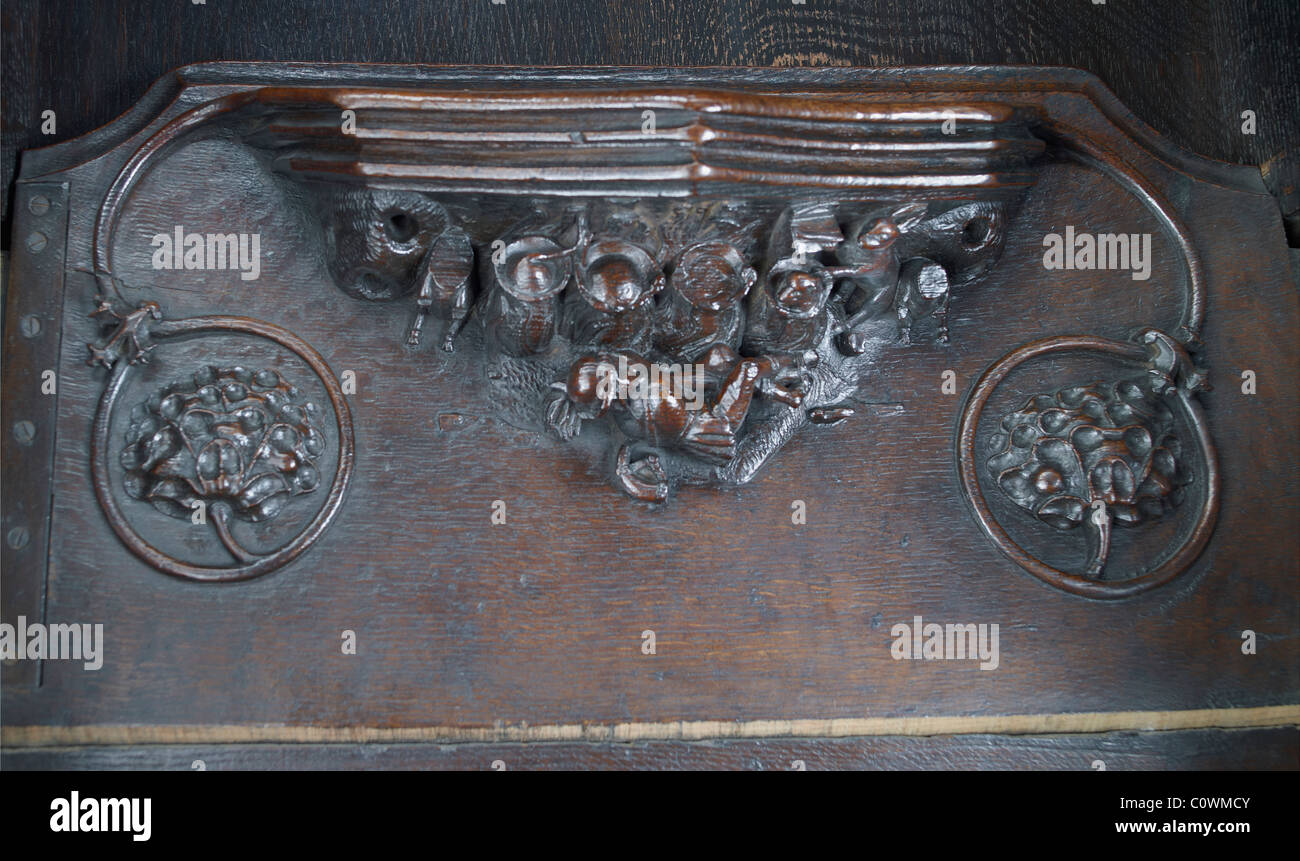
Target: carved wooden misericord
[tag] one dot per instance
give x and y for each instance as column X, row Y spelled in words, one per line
column 692, row 277
column 322, row 320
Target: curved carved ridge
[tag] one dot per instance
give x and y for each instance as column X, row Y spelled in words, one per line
column 1098, row 455
column 237, row 441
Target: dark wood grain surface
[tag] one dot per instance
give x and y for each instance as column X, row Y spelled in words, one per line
column 766, row 621
column 463, row 624
column 1188, row 69
column 1198, row 750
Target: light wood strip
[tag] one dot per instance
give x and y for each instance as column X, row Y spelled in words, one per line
column 1026, row 724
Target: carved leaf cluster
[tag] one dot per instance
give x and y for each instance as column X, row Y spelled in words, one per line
column 1107, row 442
column 232, row 435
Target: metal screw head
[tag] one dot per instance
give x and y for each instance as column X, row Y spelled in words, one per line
column 30, row 326
column 39, row 205
column 18, row 537
column 36, row 242
column 24, row 432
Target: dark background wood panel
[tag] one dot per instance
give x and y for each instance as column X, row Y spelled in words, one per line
column 463, row 623
column 1186, row 68
column 502, row 628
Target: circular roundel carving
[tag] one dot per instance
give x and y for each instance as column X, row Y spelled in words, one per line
column 241, row 444
column 1093, row 457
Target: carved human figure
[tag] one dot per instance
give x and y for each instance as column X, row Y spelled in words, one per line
column 581, row 285
column 789, row 314
column 702, row 306
column 698, row 416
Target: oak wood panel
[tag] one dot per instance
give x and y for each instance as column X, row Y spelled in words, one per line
column 1200, row 750
column 1187, row 68
column 540, row 619
column 469, row 624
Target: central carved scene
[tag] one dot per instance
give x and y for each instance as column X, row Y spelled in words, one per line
column 700, row 335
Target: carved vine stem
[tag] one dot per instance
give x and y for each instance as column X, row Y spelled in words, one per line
column 128, row 346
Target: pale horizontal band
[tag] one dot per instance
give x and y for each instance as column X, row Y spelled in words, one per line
column 1026, row 724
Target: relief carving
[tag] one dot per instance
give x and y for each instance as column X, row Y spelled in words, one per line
column 687, row 301
column 1092, row 456
column 704, row 334
column 239, row 442
column 227, row 444
column 1118, row 453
